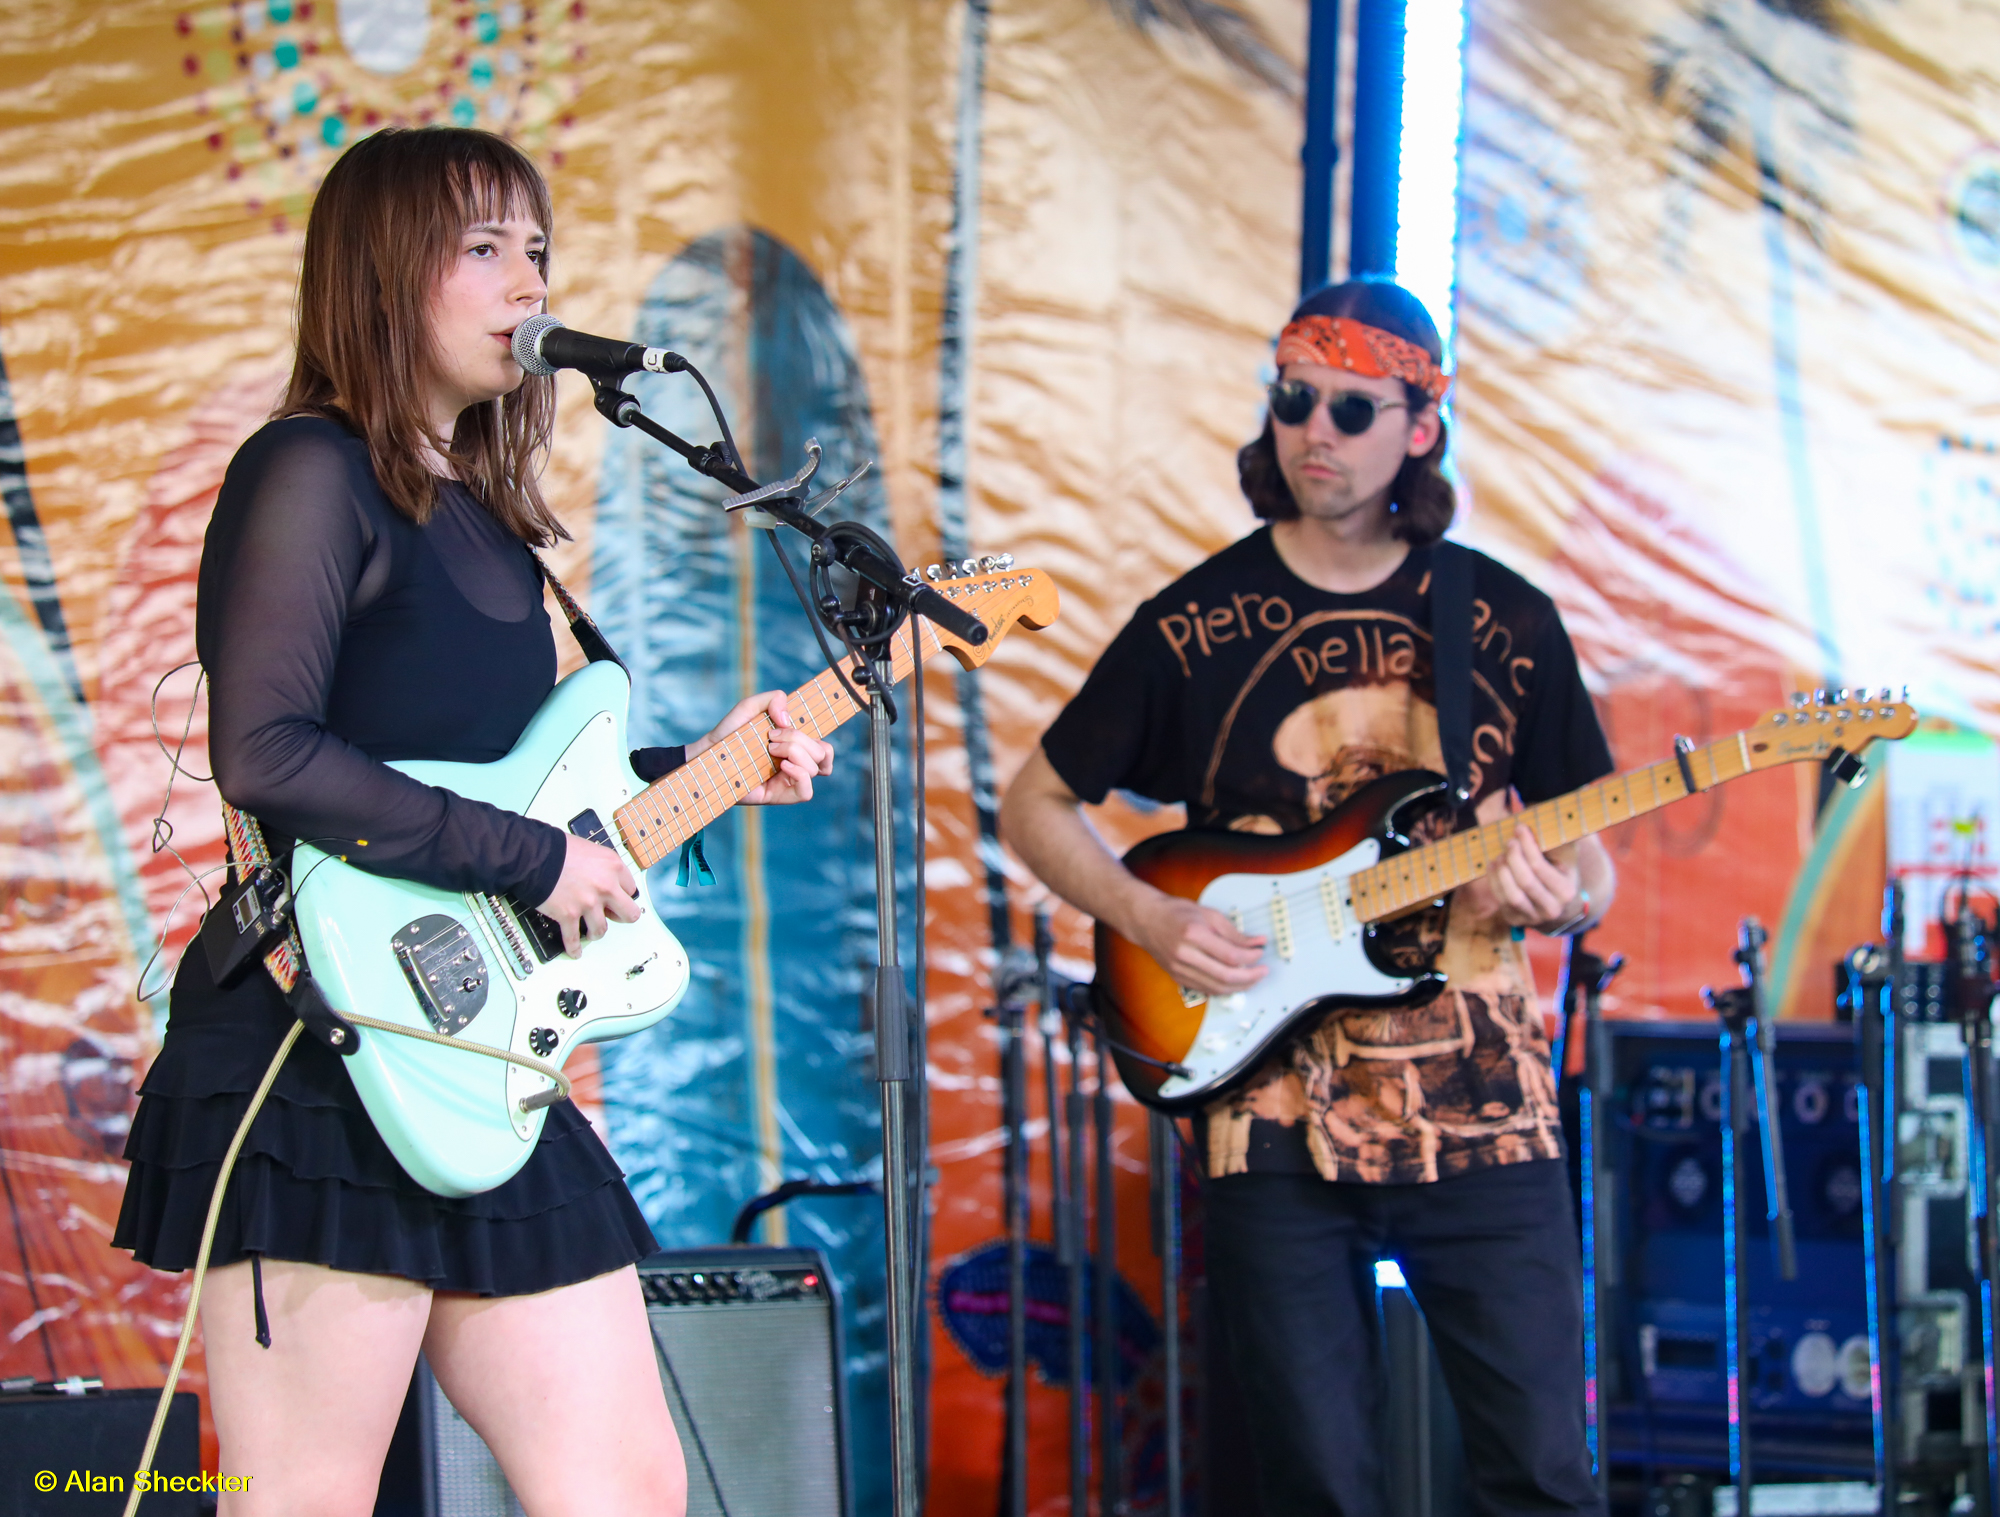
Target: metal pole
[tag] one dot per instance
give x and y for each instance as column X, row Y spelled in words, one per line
column 1111, row 1466
column 894, row 1069
column 1869, row 990
column 1600, row 1242
column 1320, row 155
column 1736, row 1108
column 1014, row 1102
column 1076, row 1240
column 1051, row 1020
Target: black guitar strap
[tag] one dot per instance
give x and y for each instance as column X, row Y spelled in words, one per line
column 1451, row 661
column 588, row 638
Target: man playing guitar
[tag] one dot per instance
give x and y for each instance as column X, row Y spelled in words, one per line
column 1260, row 690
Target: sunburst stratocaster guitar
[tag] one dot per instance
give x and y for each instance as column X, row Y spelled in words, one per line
column 1320, row 896
column 482, row 968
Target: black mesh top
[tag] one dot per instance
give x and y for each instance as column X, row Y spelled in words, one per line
column 338, row 634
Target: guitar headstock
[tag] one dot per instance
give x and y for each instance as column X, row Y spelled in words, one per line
column 1819, row 722
column 996, row 592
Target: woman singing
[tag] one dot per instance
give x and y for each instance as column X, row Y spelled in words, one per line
column 368, row 594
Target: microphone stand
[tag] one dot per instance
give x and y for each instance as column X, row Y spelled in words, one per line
column 1166, row 1177
column 1076, row 1239
column 1868, row 985
column 887, row 597
column 1014, row 1118
column 1104, row 1347
column 1750, row 1049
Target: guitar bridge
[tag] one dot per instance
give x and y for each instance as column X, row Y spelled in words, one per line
column 445, row 968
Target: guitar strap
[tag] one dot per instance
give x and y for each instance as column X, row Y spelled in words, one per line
column 595, row 647
column 1451, row 661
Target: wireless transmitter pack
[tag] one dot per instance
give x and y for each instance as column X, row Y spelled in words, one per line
column 244, row 923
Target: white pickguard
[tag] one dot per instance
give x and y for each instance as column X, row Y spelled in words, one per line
column 1314, row 947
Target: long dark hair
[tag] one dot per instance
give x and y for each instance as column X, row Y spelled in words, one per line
column 1420, row 495
column 383, row 233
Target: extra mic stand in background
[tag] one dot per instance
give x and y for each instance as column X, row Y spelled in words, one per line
column 1584, row 979
column 1749, row 1075
column 1969, row 981
column 887, row 597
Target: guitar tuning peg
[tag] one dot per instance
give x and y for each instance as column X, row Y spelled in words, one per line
column 934, row 573
column 967, row 567
column 997, row 563
column 1799, row 697
column 1885, row 694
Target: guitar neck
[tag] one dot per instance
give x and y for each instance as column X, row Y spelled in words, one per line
column 673, row 809
column 1421, row 875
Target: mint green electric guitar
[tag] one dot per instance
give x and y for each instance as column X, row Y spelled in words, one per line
column 482, row 968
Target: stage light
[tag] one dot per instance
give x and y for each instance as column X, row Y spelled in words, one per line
column 1427, row 193
column 1389, row 1275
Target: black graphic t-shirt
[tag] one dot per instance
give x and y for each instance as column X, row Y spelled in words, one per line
column 1260, row 702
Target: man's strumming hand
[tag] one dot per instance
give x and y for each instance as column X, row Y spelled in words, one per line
column 1201, row 948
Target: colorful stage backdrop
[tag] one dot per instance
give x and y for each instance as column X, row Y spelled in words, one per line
column 1729, row 322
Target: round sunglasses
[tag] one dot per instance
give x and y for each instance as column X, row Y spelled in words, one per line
column 1292, row 402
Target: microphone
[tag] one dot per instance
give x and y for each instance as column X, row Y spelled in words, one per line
column 542, row 344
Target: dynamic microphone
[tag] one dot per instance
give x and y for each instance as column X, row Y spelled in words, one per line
column 542, row 344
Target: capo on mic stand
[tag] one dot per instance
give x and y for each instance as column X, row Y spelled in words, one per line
column 1749, row 1090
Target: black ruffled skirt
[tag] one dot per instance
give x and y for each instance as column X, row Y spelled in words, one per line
column 316, row 1184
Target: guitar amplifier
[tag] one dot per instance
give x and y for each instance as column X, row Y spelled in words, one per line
column 748, row 1344
column 1666, row 1369
column 89, row 1445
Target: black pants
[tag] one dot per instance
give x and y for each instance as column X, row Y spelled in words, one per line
column 1493, row 1261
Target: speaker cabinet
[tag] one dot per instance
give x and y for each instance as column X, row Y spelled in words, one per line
column 748, row 1344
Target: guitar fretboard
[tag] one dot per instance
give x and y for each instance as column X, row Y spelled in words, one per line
column 1413, row 879
column 673, row 809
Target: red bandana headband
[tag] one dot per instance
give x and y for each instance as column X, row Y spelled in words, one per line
column 1340, row 342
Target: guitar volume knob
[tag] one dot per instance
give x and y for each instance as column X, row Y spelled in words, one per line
column 543, row 1041
column 571, row 1002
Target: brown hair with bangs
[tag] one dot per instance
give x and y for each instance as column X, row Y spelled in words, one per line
column 385, row 230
